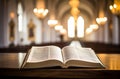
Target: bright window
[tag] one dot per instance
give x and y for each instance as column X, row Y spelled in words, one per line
column 71, row 27
column 80, row 27
column 20, row 17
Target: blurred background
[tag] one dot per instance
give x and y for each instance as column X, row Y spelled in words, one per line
column 45, row 22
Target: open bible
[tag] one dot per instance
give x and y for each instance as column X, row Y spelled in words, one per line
column 68, row 56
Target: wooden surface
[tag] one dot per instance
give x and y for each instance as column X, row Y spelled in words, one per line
column 10, row 63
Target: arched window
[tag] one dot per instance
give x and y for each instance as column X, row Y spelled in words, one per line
column 20, row 17
column 80, row 27
column 71, row 27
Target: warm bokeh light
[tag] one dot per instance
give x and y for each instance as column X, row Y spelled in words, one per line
column 58, row 27
column 94, row 26
column 101, row 21
column 12, row 15
column 40, row 13
column 52, row 23
column 63, row 31
column 40, row 10
column 74, row 8
column 115, row 8
column 89, row 30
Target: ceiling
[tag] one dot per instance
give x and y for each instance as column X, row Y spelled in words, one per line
column 89, row 10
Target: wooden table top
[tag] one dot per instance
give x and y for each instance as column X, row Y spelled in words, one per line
column 14, row 60
column 10, row 63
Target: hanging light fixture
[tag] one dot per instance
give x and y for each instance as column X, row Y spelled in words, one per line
column 52, row 22
column 74, row 8
column 40, row 10
column 115, row 8
column 40, row 13
column 101, row 21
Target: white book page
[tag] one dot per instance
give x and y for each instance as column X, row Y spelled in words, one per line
column 55, row 53
column 75, row 43
column 39, row 54
column 78, row 53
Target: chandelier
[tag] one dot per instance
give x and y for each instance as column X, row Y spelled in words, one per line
column 40, row 10
column 115, row 8
column 52, row 22
column 74, row 8
column 40, row 13
column 101, row 21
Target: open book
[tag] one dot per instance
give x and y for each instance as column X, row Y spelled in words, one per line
column 68, row 56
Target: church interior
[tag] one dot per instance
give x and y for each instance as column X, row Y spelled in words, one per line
column 84, row 23
column 45, row 22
